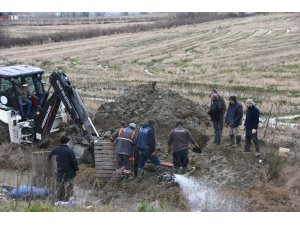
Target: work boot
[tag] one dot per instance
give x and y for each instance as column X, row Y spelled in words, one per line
column 238, row 141
column 247, row 147
column 231, row 140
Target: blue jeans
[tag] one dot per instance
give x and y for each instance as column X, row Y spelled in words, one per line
column 143, row 156
column 218, row 132
column 29, row 104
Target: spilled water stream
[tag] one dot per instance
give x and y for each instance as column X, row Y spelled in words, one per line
column 203, row 198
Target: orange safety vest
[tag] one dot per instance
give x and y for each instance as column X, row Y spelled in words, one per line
column 123, row 138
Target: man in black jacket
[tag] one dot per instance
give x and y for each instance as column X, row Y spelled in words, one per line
column 66, row 169
column 251, row 125
column 215, row 113
column 224, row 107
column 233, row 119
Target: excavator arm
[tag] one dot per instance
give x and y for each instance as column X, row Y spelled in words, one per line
column 66, row 93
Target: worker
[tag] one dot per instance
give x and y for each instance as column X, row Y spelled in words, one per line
column 251, row 125
column 215, row 112
column 23, row 97
column 125, row 139
column 233, row 119
column 178, row 142
column 67, row 167
column 146, row 145
column 224, row 107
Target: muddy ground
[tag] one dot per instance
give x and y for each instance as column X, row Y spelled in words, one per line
column 241, row 181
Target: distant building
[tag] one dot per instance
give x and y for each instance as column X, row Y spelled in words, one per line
column 8, row 16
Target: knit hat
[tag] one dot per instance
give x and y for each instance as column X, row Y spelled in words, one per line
column 249, row 101
column 64, row 140
column 132, row 125
column 232, row 98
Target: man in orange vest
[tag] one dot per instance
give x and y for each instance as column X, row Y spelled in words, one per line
column 125, row 139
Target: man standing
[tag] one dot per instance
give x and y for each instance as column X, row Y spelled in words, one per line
column 146, row 145
column 251, row 125
column 125, row 140
column 215, row 113
column 233, row 119
column 66, row 169
column 224, row 107
column 178, row 142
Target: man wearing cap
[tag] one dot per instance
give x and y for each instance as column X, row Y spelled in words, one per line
column 23, row 97
column 178, row 142
column 233, row 119
column 66, row 169
column 146, row 145
column 251, row 125
column 125, row 139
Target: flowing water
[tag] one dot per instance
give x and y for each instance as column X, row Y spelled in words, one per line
column 203, row 198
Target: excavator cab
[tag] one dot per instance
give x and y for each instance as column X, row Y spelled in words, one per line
column 21, row 93
column 21, row 89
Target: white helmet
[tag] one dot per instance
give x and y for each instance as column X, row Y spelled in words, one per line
column 132, row 125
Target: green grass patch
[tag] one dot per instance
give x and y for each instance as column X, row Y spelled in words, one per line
column 154, row 70
column 183, row 63
column 147, row 207
column 191, row 49
column 74, row 62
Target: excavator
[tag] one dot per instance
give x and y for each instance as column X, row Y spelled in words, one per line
column 32, row 118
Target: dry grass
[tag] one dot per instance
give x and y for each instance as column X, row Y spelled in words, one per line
column 236, row 56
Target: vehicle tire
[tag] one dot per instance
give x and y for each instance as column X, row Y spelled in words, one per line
column 4, row 133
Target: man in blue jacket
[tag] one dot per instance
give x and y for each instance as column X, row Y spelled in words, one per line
column 251, row 125
column 146, row 145
column 67, row 167
column 233, row 119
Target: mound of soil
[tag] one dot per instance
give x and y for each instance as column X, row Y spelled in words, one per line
column 165, row 107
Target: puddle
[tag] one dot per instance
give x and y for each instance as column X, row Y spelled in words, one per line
column 283, row 121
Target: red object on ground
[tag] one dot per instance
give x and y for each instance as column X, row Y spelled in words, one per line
column 167, row 164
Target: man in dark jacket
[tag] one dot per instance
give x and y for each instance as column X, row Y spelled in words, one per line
column 146, row 145
column 224, row 107
column 125, row 140
column 215, row 113
column 178, row 142
column 251, row 125
column 66, row 169
column 233, row 119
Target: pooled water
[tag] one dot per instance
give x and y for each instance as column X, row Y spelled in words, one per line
column 203, row 198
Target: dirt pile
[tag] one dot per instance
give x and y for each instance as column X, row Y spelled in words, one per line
column 149, row 102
